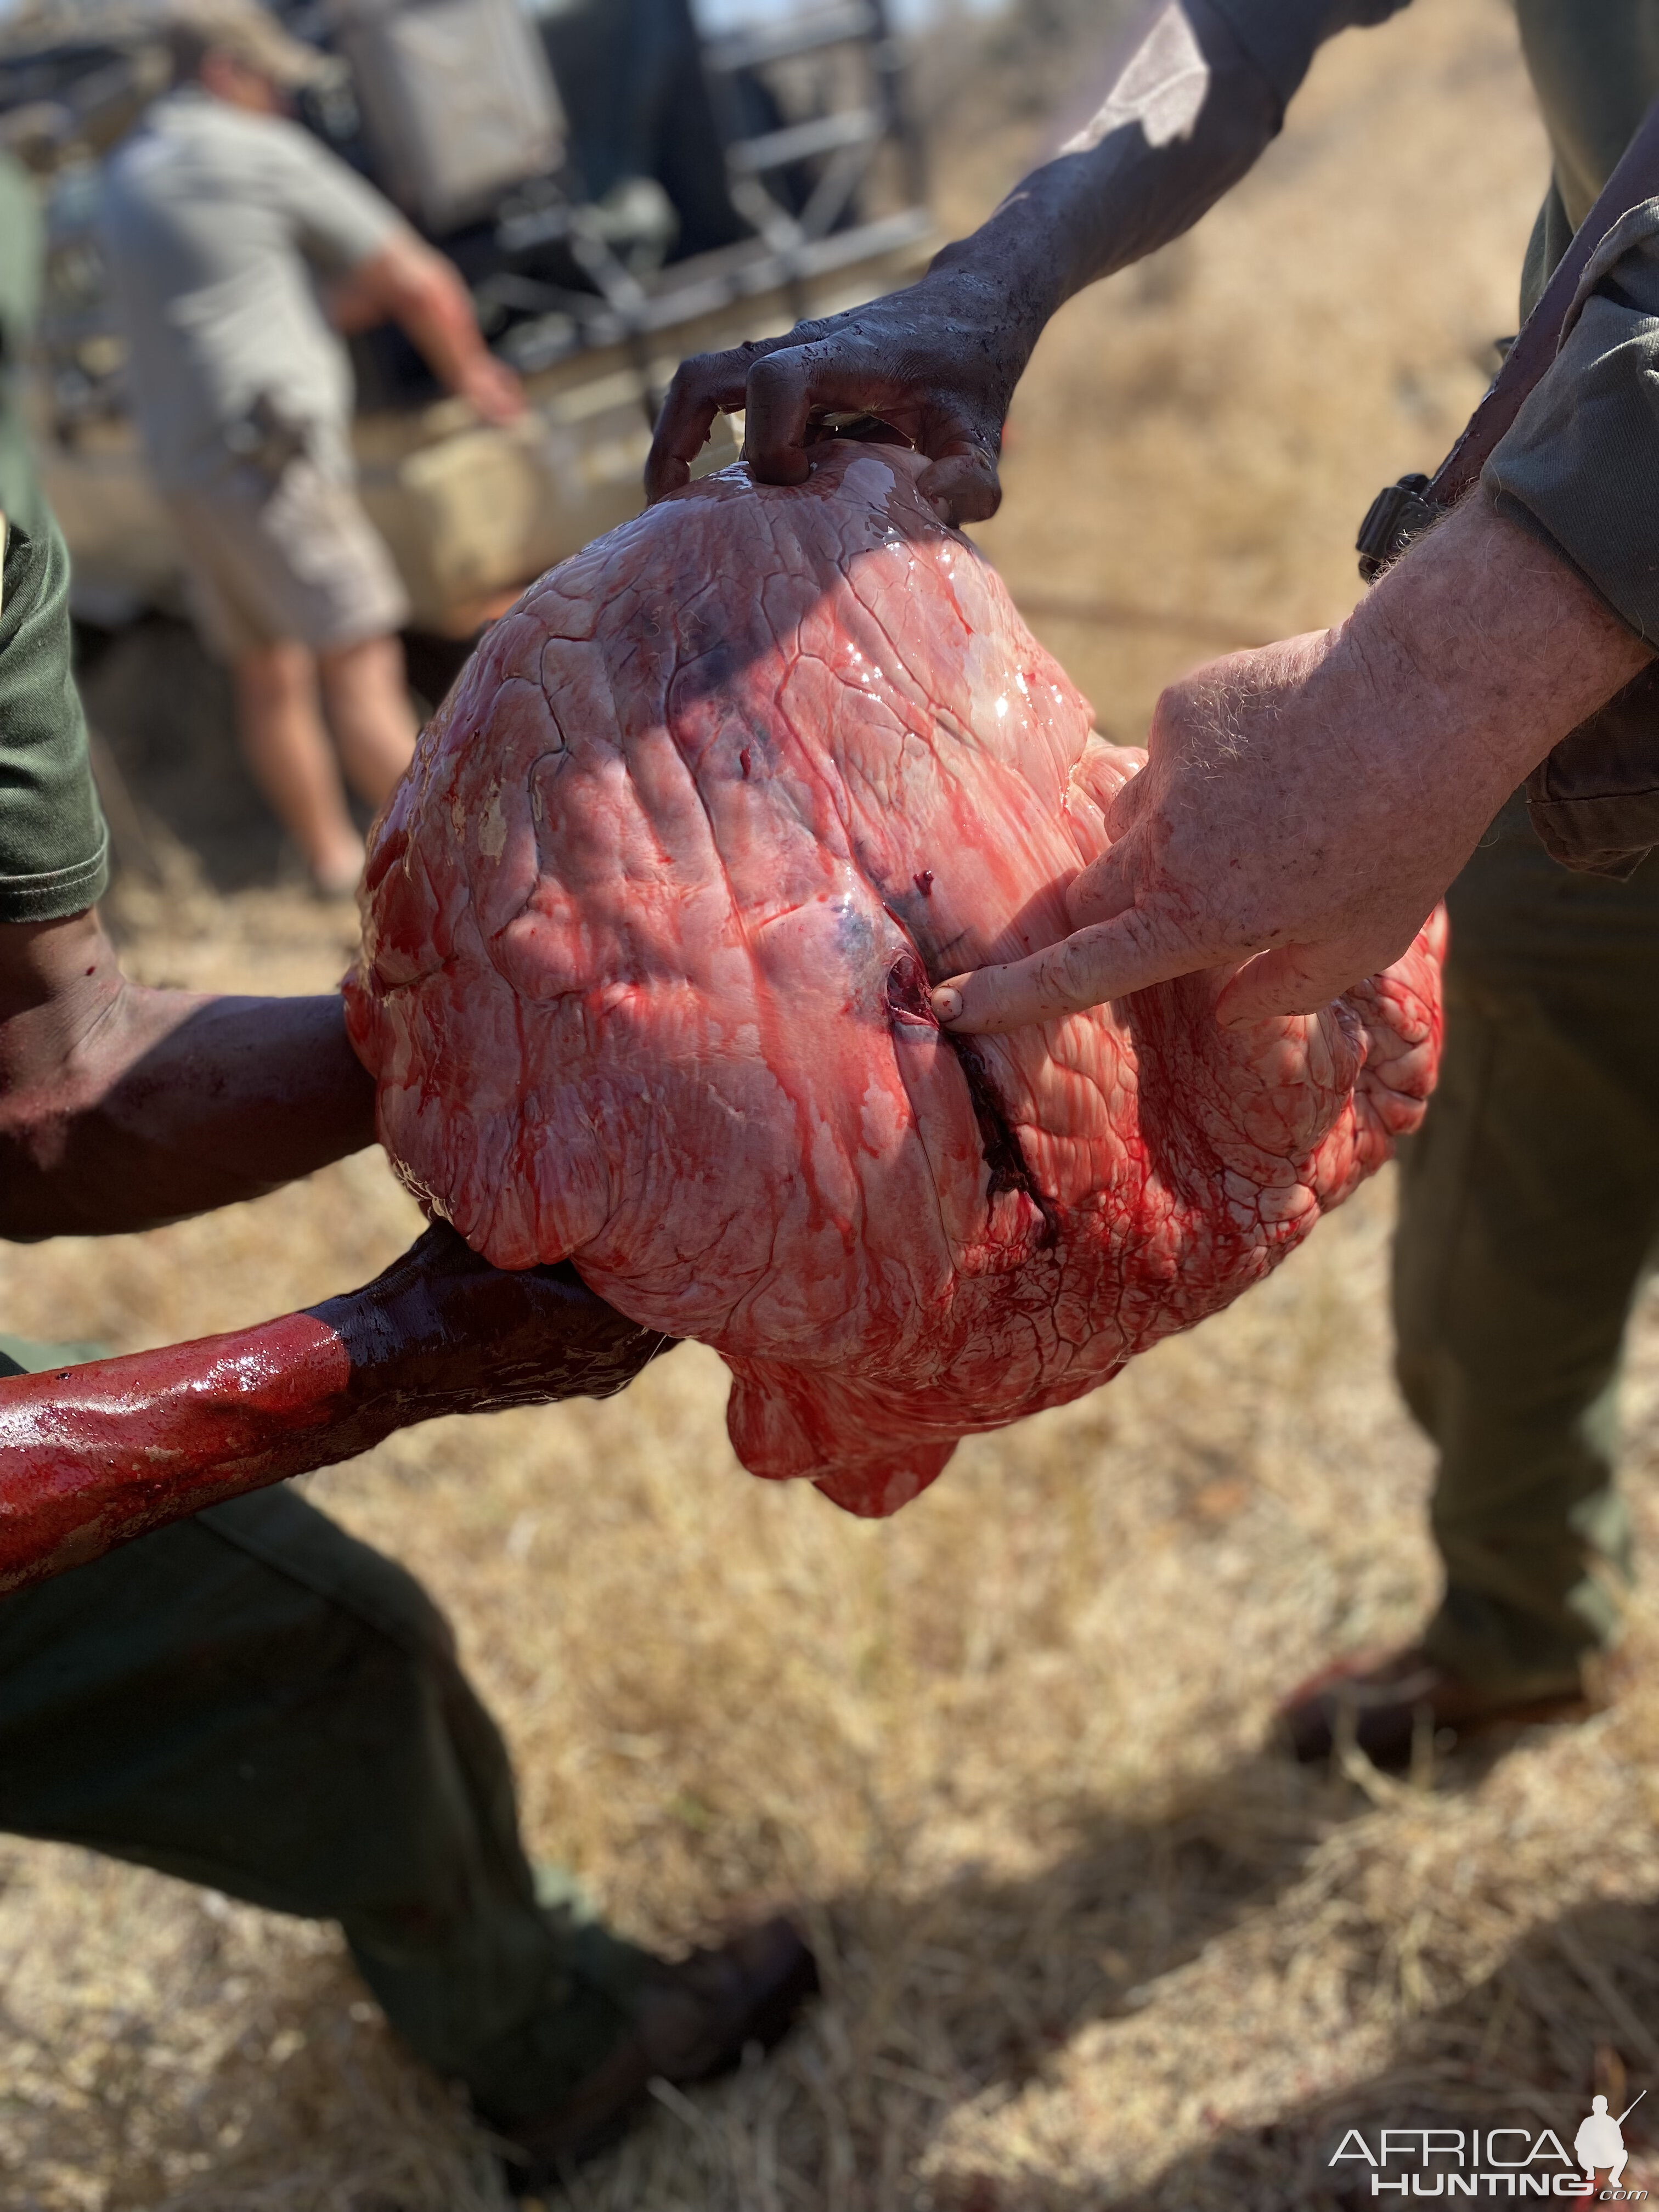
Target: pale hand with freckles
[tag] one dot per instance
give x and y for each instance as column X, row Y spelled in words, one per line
column 1304, row 805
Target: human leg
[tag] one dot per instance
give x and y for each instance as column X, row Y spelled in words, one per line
column 283, row 576
column 288, row 752
column 1528, row 1208
column 254, row 1700
column 1528, row 1203
column 366, row 697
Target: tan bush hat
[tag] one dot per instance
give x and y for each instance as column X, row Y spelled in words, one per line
column 252, row 35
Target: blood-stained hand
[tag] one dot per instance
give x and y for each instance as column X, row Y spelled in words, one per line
column 938, row 362
column 443, row 1332
column 1304, row 805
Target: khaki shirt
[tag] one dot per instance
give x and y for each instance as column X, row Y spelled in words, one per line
column 216, row 225
column 21, row 243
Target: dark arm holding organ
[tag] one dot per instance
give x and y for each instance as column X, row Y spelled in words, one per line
column 1198, row 93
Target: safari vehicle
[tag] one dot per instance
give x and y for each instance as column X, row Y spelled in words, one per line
column 619, row 187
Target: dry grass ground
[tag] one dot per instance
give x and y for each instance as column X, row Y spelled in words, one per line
column 1089, row 1942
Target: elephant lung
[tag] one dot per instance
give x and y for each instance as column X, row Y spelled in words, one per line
column 649, row 928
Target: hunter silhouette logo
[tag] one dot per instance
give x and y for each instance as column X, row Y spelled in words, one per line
column 1503, row 2161
column 1599, row 2142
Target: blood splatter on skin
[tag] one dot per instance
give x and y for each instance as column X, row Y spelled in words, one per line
column 93, row 1456
column 650, row 931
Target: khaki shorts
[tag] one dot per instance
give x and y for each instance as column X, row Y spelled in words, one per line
column 296, row 559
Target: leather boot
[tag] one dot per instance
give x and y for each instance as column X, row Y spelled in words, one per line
column 693, row 2019
column 1391, row 1697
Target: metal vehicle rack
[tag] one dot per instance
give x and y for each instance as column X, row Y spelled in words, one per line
column 694, row 190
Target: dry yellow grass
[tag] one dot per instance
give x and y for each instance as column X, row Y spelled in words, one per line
column 1089, row 1942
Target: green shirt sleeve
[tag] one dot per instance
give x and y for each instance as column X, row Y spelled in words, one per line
column 1580, row 466
column 20, row 249
column 54, row 848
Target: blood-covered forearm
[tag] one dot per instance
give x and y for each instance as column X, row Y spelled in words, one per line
column 93, row 1456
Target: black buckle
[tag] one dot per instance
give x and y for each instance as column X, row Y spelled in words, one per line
column 1394, row 517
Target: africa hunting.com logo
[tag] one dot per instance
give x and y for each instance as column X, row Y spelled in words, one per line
column 1499, row 2162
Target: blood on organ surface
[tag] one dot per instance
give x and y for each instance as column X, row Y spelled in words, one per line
column 644, row 984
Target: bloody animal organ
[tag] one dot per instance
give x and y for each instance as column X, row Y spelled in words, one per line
column 644, row 984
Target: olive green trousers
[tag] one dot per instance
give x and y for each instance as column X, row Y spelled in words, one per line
column 1529, row 1208
column 254, row 1700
